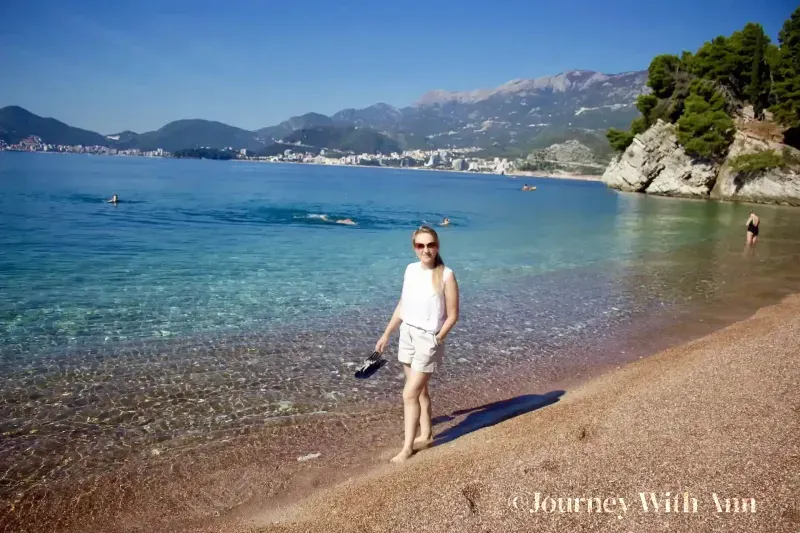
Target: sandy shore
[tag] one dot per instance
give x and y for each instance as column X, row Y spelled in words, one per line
column 715, row 421
column 556, row 174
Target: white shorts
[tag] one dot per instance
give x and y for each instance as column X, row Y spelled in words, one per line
column 420, row 349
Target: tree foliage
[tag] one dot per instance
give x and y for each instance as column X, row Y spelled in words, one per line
column 204, row 153
column 619, row 139
column 757, row 162
column 661, row 74
column 705, row 129
column 701, row 91
column 786, row 74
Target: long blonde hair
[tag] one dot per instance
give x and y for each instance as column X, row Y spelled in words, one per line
column 438, row 263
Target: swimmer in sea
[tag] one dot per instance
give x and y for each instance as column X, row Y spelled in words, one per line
column 346, row 221
column 114, row 199
column 752, row 228
column 445, row 222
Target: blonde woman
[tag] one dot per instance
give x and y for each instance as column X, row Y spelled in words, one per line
column 425, row 314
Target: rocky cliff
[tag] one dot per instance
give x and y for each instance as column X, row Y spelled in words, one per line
column 655, row 163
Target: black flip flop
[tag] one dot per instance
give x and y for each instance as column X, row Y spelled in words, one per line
column 372, row 364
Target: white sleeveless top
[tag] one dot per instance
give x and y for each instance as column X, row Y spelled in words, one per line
column 421, row 306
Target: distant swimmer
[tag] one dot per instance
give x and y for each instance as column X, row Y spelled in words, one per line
column 752, row 228
column 527, row 187
column 346, row 221
column 114, row 199
column 445, row 222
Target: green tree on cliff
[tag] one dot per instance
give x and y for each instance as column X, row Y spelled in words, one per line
column 619, row 139
column 705, row 129
column 758, row 89
column 700, row 92
column 786, row 89
column 661, row 74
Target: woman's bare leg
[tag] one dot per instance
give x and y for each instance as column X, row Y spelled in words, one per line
column 415, row 384
column 425, row 430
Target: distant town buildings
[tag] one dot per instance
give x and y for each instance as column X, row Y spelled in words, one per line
column 458, row 159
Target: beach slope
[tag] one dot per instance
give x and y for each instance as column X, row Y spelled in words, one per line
column 715, row 421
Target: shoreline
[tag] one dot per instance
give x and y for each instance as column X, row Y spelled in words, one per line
column 257, row 469
column 512, row 174
column 680, row 420
column 257, row 475
column 557, row 175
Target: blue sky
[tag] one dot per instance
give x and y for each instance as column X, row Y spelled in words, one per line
column 111, row 66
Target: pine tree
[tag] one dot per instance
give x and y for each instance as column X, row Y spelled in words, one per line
column 758, row 89
column 705, row 129
column 618, row 139
column 786, row 86
column 661, row 74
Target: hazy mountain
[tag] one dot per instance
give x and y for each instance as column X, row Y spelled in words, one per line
column 514, row 118
column 343, row 139
column 511, row 117
column 17, row 123
column 194, row 133
column 309, row 120
column 379, row 116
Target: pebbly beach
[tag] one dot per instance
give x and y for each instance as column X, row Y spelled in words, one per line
column 700, row 437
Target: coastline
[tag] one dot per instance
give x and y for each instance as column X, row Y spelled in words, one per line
column 253, row 474
column 556, row 175
column 686, row 420
column 513, row 174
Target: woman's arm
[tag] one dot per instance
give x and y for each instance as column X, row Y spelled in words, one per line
column 393, row 324
column 451, row 304
column 395, row 321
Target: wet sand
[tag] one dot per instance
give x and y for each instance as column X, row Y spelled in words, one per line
column 716, row 418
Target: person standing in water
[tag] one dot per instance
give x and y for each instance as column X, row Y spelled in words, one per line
column 425, row 314
column 752, row 228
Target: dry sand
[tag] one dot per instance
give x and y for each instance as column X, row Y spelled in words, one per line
column 716, row 416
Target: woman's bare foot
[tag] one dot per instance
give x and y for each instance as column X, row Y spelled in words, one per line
column 402, row 456
column 422, row 442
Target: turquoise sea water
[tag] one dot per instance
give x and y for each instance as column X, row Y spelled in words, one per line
column 198, row 247
column 216, row 295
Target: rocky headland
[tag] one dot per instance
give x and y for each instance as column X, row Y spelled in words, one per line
column 656, row 163
column 722, row 122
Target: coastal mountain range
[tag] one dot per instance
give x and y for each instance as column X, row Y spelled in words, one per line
column 512, row 119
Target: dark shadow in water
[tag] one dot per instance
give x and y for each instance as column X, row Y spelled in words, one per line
column 493, row 413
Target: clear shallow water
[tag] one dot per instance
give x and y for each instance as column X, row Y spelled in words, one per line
column 215, row 297
column 201, row 246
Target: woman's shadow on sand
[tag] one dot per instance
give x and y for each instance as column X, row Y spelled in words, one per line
column 491, row 414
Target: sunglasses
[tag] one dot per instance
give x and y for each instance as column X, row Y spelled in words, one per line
column 429, row 246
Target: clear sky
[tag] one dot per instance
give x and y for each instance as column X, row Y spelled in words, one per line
column 110, row 66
